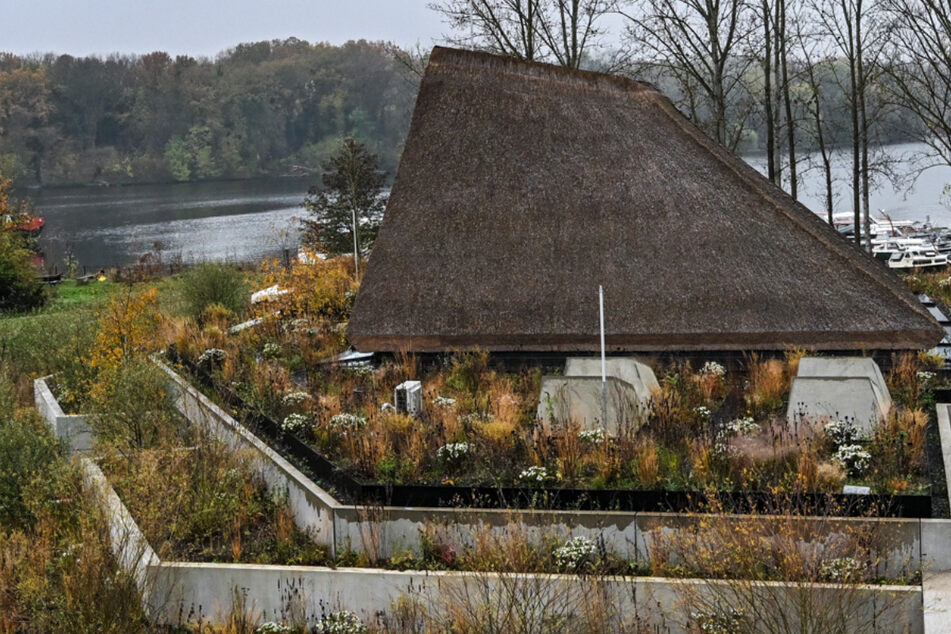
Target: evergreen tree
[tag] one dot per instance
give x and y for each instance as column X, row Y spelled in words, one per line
column 345, row 214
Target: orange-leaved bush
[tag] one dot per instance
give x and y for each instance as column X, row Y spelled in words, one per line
column 128, row 327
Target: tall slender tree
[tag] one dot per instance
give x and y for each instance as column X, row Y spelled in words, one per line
column 345, row 214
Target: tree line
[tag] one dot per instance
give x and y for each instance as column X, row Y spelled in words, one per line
column 793, row 79
column 263, row 108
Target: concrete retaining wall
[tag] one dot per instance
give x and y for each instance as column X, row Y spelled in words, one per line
column 70, row 428
column 176, row 592
column 312, row 507
column 190, row 592
column 381, row 532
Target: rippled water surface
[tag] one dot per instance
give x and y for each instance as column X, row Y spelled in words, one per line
column 240, row 220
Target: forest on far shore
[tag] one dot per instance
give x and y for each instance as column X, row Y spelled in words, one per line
column 260, row 109
column 282, row 107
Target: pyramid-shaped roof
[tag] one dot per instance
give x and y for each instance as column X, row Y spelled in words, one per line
column 524, row 186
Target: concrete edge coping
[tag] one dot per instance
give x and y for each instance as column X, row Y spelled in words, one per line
column 125, row 531
column 282, row 463
column 42, row 388
column 336, row 505
column 944, row 435
column 457, row 574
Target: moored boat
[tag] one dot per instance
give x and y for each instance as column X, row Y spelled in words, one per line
column 917, row 258
column 26, row 224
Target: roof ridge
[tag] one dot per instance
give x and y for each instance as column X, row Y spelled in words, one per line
column 540, row 70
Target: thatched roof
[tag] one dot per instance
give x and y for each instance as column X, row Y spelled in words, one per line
column 524, row 186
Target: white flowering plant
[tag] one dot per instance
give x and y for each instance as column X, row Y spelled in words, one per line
column 212, row 357
column 575, row 553
column 853, row 458
column 293, row 399
column 722, row 621
column 712, row 368
column 592, row 436
column 744, row 426
column 534, row 475
column 703, row 412
column 924, row 376
column 295, row 423
column 270, row 627
column 842, row 569
column 453, row 452
column 444, row 401
column 346, row 423
column 271, row 350
column 342, row 622
column 840, row 432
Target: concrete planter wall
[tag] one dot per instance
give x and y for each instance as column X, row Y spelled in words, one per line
column 381, row 532
column 70, row 428
column 178, row 592
column 189, row 592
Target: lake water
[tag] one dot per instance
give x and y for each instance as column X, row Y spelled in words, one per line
column 249, row 220
column 108, row 226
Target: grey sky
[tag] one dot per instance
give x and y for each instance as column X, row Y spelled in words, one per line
column 205, row 27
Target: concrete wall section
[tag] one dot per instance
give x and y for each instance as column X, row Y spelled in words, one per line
column 71, row 429
column 381, row 532
column 853, row 367
column 129, row 545
column 192, row 592
column 312, row 507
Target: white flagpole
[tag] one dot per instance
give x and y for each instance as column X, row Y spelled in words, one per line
column 604, row 365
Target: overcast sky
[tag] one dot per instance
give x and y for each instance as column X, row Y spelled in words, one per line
column 206, row 27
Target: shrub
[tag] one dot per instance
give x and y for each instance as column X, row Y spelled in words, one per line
column 127, row 328
column 130, row 408
column 28, row 452
column 768, row 384
column 213, row 283
column 19, row 288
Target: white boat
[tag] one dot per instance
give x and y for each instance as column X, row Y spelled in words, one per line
column 917, row 258
column 885, row 248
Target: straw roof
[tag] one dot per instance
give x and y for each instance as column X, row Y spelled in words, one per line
column 523, row 186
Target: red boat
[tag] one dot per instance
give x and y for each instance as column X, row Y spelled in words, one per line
column 26, row 224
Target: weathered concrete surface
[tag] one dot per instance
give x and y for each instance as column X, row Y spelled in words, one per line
column 578, row 399
column 193, row 592
column 851, row 398
column 638, row 374
column 851, row 367
column 936, row 599
column 70, row 428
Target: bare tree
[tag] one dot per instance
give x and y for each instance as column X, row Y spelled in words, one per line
column 855, row 29
column 920, row 68
column 561, row 31
column 570, row 28
column 769, row 44
column 815, row 67
column 506, row 27
column 700, row 43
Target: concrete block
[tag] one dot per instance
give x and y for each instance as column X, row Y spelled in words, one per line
column 851, row 398
column 628, row 369
column 848, row 367
column 578, row 399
